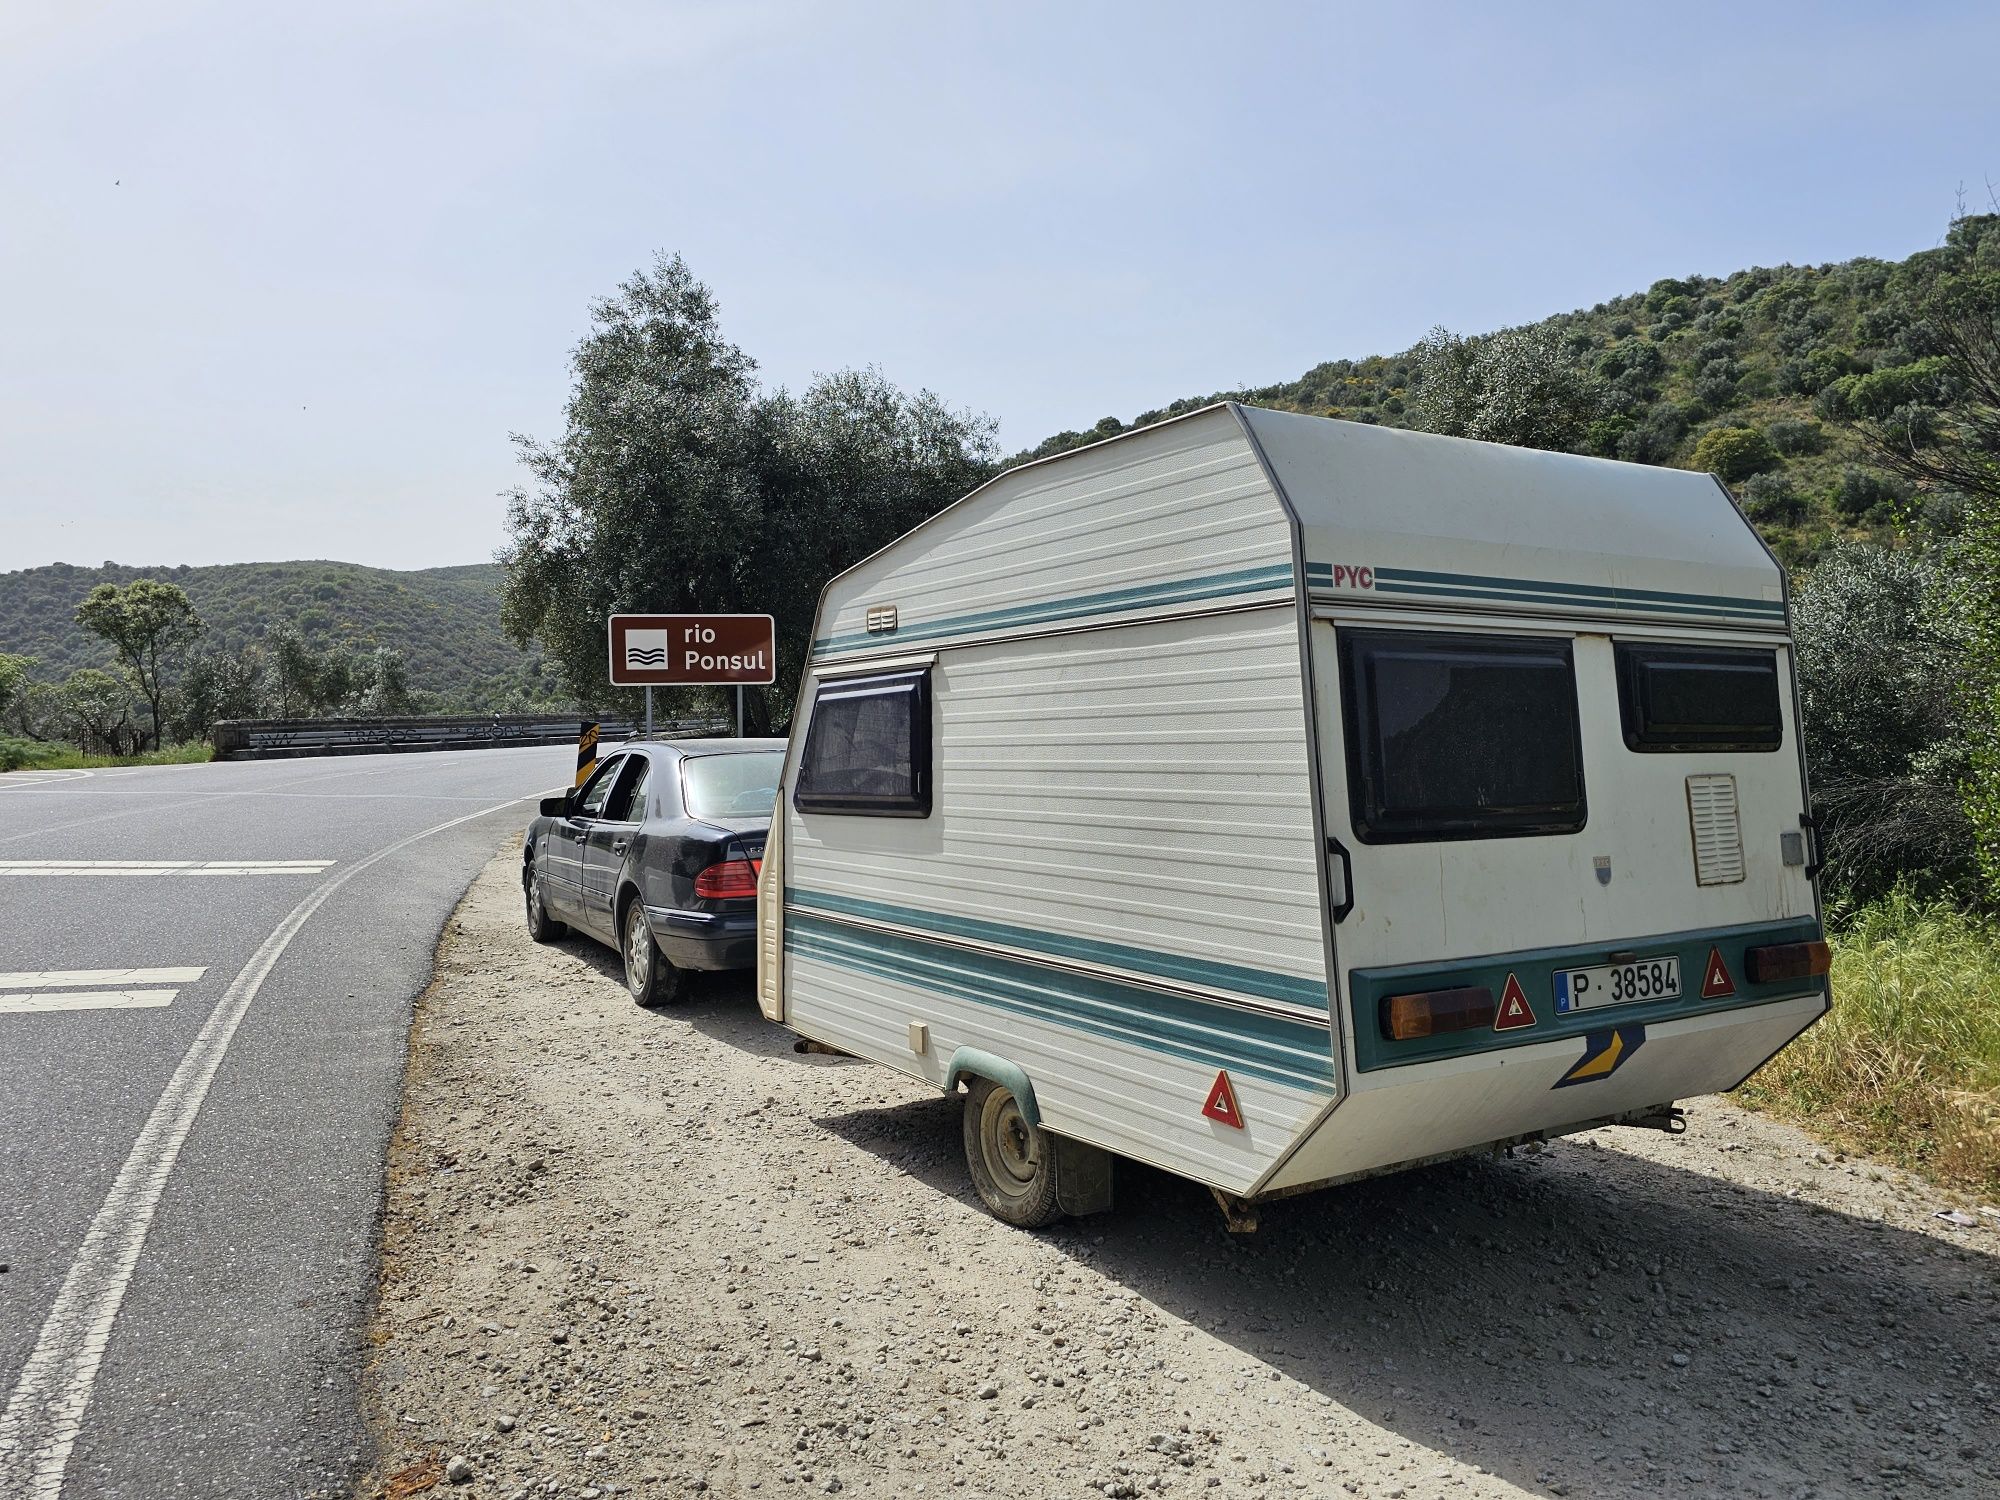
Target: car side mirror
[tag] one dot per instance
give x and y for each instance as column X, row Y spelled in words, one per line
column 556, row 807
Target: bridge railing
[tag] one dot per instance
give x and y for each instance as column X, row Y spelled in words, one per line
column 273, row 739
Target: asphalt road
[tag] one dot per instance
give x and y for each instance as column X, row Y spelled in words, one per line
column 191, row 1165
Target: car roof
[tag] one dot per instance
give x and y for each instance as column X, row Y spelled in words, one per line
column 690, row 748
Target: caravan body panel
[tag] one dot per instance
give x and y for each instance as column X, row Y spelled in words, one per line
column 1117, row 887
column 1139, row 858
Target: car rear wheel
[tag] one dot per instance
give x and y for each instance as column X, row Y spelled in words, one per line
column 542, row 927
column 1013, row 1163
column 651, row 979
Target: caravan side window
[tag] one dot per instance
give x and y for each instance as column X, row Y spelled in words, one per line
column 869, row 748
column 1698, row 697
column 1460, row 736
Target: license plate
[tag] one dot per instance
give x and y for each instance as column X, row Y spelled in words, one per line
column 1618, row 984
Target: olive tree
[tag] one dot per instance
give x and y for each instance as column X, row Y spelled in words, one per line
column 679, row 486
column 1880, row 666
column 1523, row 386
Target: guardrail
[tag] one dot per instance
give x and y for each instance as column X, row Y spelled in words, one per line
column 277, row 739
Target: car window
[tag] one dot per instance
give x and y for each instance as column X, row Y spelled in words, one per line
column 628, row 803
column 595, row 790
column 732, row 786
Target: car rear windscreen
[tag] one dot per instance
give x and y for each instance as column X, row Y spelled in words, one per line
column 732, row 786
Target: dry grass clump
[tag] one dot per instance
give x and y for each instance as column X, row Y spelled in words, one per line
column 1907, row 1064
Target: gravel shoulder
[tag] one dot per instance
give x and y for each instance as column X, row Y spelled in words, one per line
column 662, row 1253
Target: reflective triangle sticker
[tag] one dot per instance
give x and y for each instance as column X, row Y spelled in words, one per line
column 1222, row 1104
column 1515, row 1012
column 1715, row 980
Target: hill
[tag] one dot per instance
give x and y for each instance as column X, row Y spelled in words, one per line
column 446, row 621
column 1772, row 351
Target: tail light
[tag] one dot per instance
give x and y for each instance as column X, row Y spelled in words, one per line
column 1787, row 961
column 731, row 879
column 1405, row 1017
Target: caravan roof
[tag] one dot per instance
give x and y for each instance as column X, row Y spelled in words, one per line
column 1446, row 520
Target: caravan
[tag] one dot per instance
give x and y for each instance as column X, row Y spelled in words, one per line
column 1281, row 801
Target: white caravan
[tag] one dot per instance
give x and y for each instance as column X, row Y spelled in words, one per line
column 1281, row 801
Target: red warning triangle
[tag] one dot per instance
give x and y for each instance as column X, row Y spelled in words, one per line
column 1221, row 1103
column 1715, row 980
column 1514, row 1009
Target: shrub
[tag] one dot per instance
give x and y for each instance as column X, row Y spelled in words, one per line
column 1772, row 499
column 1657, row 437
column 1879, row 662
column 19, row 754
column 1793, row 438
column 1860, row 492
column 1734, row 453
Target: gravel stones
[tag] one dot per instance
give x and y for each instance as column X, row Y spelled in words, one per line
column 740, row 1271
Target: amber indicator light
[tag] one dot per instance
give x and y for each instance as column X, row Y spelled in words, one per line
column 1406, row 1017
column 1778, row 961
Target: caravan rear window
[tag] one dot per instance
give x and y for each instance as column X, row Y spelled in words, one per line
column 869, row 748
column 1698, row 698
column 1460, row 736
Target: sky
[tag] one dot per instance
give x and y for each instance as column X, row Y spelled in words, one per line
column 279, row 281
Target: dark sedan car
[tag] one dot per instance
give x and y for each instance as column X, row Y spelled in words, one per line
column 657, row 854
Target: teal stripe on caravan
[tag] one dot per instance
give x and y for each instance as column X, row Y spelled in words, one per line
column 1174, row 591
column 1537, row 591
column 1244, row 981
column 1297, row 1054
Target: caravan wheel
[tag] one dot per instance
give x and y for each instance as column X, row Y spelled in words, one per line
column 1013, row 1163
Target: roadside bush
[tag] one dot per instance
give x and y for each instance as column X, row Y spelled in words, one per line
column 1907, row 1064
column 1879, row 667
column 19, row 754
column 1734, row 453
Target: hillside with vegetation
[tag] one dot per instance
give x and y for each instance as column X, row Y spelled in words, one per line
column 445, row 622
column 1753, row 375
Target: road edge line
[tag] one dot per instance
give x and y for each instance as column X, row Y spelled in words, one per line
column 45, row 1413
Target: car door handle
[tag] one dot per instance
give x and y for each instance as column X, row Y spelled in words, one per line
column 618, row 845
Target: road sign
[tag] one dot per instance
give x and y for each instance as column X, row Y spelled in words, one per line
column 686, row 650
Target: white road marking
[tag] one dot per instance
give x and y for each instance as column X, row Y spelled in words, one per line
column 45, row 1412
column 131, row 867
column 24, row 1005
column 39, row 991
column 52, row 979
column 21, row 780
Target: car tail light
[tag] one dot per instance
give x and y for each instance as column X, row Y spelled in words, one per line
column 1787, row 961
column 1407, row 1016
column 729, row 880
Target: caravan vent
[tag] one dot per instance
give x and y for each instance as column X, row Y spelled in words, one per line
column 1718, row 835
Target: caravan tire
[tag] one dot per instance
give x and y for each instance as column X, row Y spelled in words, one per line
column 1013, row 1163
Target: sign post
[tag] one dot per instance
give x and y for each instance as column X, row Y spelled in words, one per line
column 649, row 651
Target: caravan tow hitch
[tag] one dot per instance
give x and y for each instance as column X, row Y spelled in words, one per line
column 1668, row 1117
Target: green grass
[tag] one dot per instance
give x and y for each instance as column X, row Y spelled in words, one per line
column 36, row 755
column 1907, row 1064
